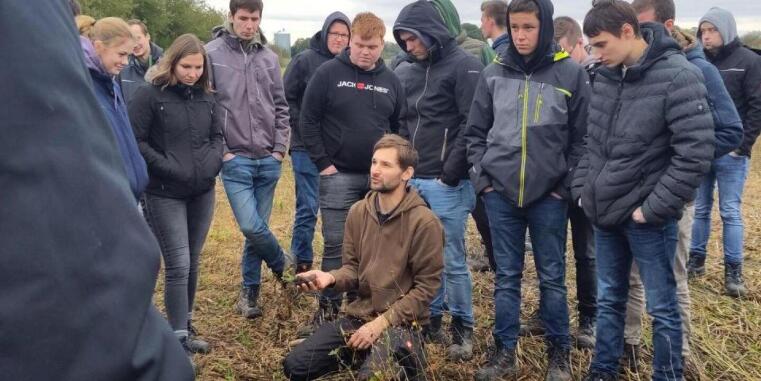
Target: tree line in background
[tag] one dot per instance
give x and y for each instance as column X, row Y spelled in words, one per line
column 168, row 19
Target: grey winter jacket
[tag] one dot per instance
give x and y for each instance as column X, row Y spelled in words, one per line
column 249, row 88
column 526, row 127
column 651, row 137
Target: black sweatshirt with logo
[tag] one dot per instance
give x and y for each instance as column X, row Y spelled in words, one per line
column 346, row 110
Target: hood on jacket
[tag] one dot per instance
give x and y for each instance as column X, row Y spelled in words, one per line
column 92, row 61
column 449, row 15
column 546, row 47
column 319, row 42
column 410, row 201
column 660, row 46
column 724, row 22
column 685, row 39
column 226, row 30
column 421, row 19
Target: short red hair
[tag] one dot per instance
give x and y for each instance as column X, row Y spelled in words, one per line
column 367, row 25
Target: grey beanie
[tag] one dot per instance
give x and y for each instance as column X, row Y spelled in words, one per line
column 724, row 22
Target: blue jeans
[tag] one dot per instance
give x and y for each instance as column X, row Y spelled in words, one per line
column 250, row 186
column 730, row 173
column 653, row 249
column 307, row 179
column 338, row 192
column 452, row 205
column 546, row 220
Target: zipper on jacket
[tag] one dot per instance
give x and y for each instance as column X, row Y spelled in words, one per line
column 417, row 104
column 538, row 105
column 524, row 141
column 444, row 146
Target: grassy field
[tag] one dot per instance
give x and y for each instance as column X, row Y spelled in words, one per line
column 726, row 333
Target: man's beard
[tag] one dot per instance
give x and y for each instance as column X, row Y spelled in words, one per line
column 385, row 188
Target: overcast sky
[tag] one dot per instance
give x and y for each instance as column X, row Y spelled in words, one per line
column 304, row 17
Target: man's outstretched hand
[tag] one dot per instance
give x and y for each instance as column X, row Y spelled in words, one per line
column 314, row 280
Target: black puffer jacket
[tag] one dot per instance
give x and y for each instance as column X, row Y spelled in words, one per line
column 300, row 71
column 180, row 136
column 650, row 137
column 740, row 69
column 439, row 94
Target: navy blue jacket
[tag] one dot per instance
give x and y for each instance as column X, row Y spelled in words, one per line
column 501, row 43
column 728, row 127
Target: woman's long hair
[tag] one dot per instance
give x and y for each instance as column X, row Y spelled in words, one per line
column 187, row 44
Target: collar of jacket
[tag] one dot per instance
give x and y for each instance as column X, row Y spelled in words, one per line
column 236, row 43
column 659, row 47
column 556, row 55
column 185, row 91
column 725, row 51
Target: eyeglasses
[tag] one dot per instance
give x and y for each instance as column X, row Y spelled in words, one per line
column 338, row 35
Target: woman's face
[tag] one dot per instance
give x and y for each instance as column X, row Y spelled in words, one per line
column 114, row 56
column 189, row 69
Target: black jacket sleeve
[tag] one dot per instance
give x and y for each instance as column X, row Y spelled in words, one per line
column 142, row 117
column 752, row 117
column 295, row 83
column 578, row 106
column 689, row 119
column 480, row 121
column 397, row 121
column 456, row 165
column 312, row 112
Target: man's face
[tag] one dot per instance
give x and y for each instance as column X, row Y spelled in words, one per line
column 246, row 23
column 611, row 50
column 385, row 174
column 487, row 25
column 710, row 36
column 524, row 28
column 365, row 52
column 414, row 45
column 189, row 69
column 142, row 41
column 574, row 48
column 650, row 16
column 338, row 37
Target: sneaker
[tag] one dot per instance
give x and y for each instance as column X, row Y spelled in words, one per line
column 432, row 332
column 585, row 334
column 501, row 364
column 631, row 357
column 696, row 265
column 322, row 315
column 462, row 341
column 195, row 344
column 558, row 364
column 734, row 284
column 594, row 375
column 532, row 327
column 188, row 352
column 246, row 305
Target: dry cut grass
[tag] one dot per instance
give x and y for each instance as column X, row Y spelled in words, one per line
column 726, row 333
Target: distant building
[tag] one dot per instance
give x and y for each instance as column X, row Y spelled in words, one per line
column 283, row 41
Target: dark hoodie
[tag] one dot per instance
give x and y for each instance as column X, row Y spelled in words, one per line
column 346, row 110
column 133, row 76
column 740, row 68
column 527, row 124
column 78, row 264
column 300, row 71
column 651, row 137
column 439, row 94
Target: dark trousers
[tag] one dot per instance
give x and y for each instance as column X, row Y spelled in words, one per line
column 398, row 354
column 582, row 235
column 482, row 225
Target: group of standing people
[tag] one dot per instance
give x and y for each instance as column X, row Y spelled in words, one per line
column 530, row 133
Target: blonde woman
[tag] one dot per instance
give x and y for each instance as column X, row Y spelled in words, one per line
column 181, row 140
column 106, row 50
